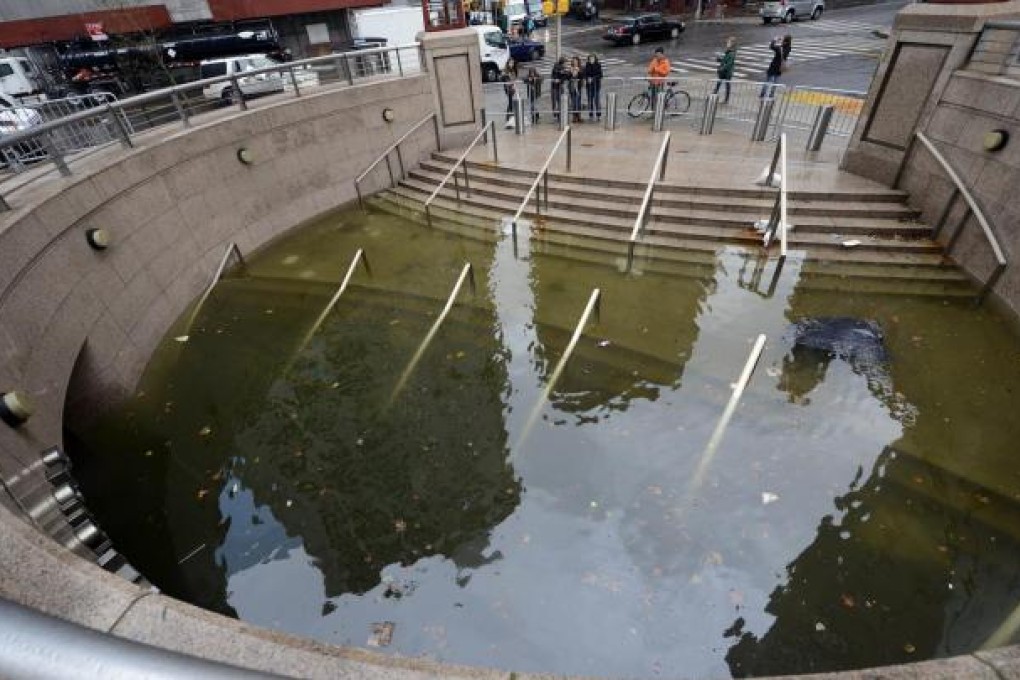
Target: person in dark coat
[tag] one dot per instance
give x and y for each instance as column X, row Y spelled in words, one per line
column 576, row 87
column 593, row 84
column 727, row 62
column 509, row 80
column 560, row 78
column 533, row 81
column 787, row 46
column 775, row 68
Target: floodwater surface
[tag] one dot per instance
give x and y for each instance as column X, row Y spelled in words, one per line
column 857, row 513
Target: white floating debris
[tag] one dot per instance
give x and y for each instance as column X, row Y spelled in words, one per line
column 761, row 225
column 182, row 338
column 289, row 502
column 382, row 634
column 291, row 259
column 773, row 371
column 851, row 243
column 603, row 343
column 769, row 497
column 820, row 627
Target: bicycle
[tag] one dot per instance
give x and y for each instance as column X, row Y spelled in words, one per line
column 677, row 101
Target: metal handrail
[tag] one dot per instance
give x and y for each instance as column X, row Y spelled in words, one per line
column 460, row 161
column 543, row 173
column 121, row 107
column 659, row 169
column 960, row 189
column 395, row 146
column 777, row 220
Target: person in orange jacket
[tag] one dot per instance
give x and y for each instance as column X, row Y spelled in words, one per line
column 658, row 70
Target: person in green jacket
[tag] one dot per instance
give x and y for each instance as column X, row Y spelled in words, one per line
column 727, row 61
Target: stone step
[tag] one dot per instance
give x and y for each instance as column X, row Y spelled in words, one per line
column 678, row 197
column 812, row 219
column 496, row 208
column 877, row 194
column 849, row 270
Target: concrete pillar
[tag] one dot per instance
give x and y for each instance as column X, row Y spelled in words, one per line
column 455, row 69
column 928, row 43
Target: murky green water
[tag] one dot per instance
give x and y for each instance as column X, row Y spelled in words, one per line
column 851, row 518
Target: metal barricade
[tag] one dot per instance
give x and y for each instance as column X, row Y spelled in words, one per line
column 800, row 105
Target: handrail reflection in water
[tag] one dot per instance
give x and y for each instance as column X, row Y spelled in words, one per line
column 724, row 421
column 467, row 273
column 359, row 256
column 593, row 306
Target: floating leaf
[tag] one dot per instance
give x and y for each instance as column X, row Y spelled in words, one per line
column 205, row 431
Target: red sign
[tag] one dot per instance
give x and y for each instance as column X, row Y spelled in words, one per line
column 95, row 31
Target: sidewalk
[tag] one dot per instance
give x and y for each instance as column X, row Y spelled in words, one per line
column 723, row 160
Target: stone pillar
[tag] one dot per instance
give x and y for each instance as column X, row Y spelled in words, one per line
column 454, row 64
column 928, row 43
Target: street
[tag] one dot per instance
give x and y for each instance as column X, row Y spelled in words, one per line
column 840, row 50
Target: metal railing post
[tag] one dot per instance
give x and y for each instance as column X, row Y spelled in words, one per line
column 945, row 213
column 400, row 162
column 545, row 188
column 564, row 110
column 484, row 117
column 660, row 111
column 4, row 205
column 236, row 84
column 518, row 115
column 119, row 129
column 820, row 127
column 611, row 111
column 350, row 72
column 293, row 80
column 456, row 186
column 467, row 180
column 389, row 168
column 570, row 147
column 762, row 120
column 435, row 128
column 665, row 158
column 708, row 115
column 495, row 146
column 54, row 153
column 400, row 63
column 181, row 113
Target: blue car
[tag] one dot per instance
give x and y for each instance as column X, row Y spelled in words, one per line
column 522, row 49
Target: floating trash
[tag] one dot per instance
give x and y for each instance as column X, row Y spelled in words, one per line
column 182, row 338
column 768, row 497
column 382, row 634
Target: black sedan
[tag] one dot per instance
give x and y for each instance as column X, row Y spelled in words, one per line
column 634, row 30
column 522, row 49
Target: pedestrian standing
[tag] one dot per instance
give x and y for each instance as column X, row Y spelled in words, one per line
column 593, row 85
column 727, row 62
column 787, row 47
column 533, row 81
column 560, row 75
column 509, row 80
column 775, row 68
column 576, row 87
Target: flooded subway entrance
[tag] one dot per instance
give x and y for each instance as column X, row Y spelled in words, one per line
column 861, row 509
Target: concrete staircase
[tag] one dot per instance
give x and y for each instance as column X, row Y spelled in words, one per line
column 687, row 225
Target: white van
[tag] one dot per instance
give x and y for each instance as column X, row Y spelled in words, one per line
column 250, row 86
column 493, row 50
column 17, row 77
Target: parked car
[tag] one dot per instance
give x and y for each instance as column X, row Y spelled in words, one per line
column 788, row 10
column 584, row 9
column 250, row 86
column 523, row 49
column 634, row 30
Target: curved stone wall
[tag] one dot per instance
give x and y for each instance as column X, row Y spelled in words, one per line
column 172, row 205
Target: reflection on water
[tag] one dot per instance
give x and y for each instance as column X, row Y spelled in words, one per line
column 855, row 513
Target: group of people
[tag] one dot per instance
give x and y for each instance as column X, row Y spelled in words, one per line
column 580, row 81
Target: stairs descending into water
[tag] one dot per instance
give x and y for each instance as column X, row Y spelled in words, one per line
column 589, row 218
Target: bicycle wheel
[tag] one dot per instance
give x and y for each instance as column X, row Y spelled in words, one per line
column 638, row 105
column 678, row 102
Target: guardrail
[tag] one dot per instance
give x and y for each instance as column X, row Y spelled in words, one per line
column 395, row 146
column 739, row 102
column 127, row 118
column 542, row 174
column 777, row 220
column 972, row 208
column 659, row 170
column 486, row 129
